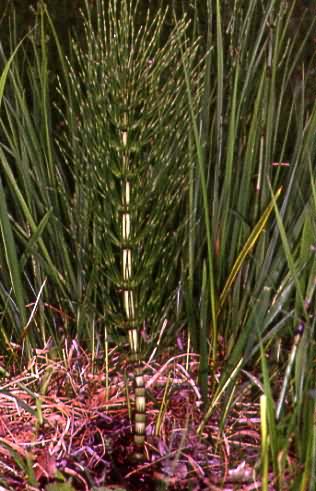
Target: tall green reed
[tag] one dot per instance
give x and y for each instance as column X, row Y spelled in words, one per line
column 128, row 151
column 256, row 137
column 98, row 208
column 257, row 142
column 10, row 258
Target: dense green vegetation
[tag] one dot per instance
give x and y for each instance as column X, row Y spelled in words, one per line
column 167, row 179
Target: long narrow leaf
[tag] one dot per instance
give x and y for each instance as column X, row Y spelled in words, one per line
column 247, row 248
column 12, row 256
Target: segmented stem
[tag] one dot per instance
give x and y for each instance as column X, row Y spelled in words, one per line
column 129, row 306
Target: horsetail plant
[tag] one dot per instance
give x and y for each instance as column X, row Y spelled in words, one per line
column 126, row 144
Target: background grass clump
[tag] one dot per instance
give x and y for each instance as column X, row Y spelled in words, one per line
column 224, row 198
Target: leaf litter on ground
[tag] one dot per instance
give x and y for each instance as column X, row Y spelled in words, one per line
column 76, row 434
